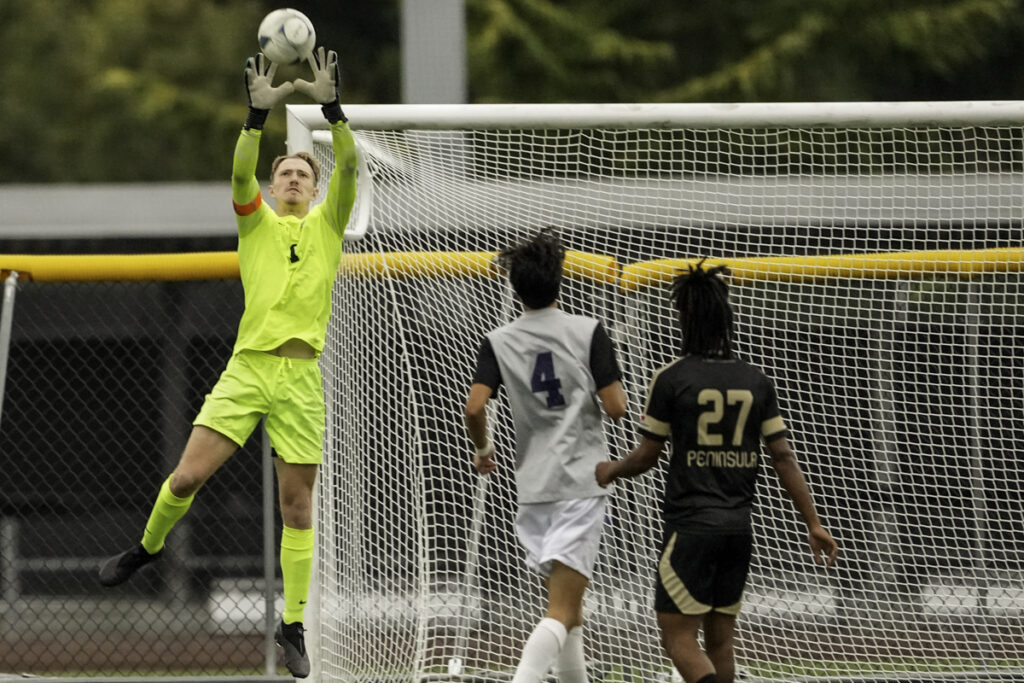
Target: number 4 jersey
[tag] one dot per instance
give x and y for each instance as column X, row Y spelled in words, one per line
column 552, row 364
column 717, row 411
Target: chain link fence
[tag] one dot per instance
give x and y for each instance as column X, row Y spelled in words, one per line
column 102, row 384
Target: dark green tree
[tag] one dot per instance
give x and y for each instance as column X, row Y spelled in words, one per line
column 745, row 50
column 151, row 90
column 123, row 90
column 546, row 51
column 836, row 50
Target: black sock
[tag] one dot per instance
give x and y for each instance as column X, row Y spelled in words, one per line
column 710, row 678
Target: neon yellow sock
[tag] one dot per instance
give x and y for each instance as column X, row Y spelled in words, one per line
column 167, row 510
column 296, row 568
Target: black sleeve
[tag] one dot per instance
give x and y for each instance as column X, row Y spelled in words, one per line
column 603, row 364
column 487, row 371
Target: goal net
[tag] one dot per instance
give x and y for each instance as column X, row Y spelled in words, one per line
column 876, row 252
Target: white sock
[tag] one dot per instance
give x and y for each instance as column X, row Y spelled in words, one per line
column 570, row 665
column 540, row 652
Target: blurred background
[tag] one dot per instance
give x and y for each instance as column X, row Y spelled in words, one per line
column 151, row 90
column 118, row 119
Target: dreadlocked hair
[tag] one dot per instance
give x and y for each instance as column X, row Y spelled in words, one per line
column 535, row 268
column 705, row 314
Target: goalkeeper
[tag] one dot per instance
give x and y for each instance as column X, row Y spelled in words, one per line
column 288, row 260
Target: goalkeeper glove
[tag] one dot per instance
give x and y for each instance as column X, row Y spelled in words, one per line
column 324, row 88
column 260, row 90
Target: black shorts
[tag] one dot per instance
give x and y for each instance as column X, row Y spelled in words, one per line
column 702, row 572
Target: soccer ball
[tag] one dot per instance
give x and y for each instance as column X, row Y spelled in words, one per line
column 286, row 36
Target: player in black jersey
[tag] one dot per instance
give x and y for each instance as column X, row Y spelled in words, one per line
column 717, row 409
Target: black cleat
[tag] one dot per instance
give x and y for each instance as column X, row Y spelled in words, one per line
column 120, row 568
column 290, row 638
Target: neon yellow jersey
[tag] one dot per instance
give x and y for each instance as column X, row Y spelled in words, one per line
column 288, row 265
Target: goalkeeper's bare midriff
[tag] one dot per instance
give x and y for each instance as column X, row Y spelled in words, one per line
column 294, row 348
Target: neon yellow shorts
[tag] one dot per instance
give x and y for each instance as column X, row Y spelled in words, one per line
column 289, row 391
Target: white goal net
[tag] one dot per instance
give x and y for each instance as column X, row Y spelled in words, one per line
column 876, row 252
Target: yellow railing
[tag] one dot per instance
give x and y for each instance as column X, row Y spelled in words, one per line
column 598, row 268
column 657, row 272
column 580, row 265
column 223, row 265
column 214, row 265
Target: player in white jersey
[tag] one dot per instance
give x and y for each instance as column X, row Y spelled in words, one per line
column 554, row 367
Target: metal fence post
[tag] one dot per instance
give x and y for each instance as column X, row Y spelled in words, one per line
column 269, row 561
column 6, row 322
column 8, row 528
column 11, row 590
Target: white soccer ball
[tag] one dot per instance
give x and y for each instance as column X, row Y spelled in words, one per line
column 286, row 36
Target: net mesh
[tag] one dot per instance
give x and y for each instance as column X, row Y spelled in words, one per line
column 876, row 281
column 103, row 381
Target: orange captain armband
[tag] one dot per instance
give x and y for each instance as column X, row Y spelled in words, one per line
column 250, row 208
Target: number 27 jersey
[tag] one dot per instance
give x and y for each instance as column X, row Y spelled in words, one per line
column 552, row 364
column 717, row 412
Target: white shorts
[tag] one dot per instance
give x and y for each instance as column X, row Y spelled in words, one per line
column 568, row 531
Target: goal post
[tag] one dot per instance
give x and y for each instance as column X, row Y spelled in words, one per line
column 876, row 253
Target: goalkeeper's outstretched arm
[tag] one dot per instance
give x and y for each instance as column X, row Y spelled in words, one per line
column 244, row 186
column 263, row 95
column 341, row 192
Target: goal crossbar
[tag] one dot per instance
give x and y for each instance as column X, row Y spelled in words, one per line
column 305, row 117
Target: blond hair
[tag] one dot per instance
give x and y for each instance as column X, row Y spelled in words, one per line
column 305, row 156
